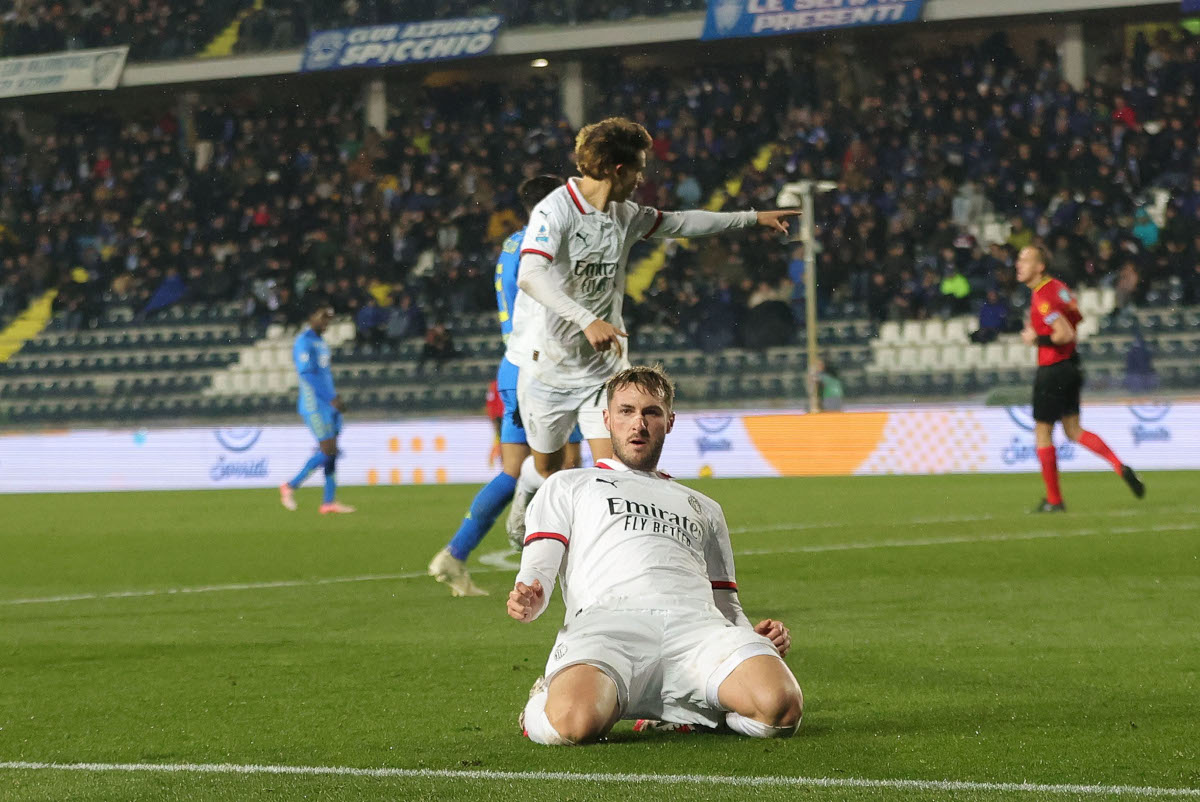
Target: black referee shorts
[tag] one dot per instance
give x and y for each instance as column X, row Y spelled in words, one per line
column 1056, row 390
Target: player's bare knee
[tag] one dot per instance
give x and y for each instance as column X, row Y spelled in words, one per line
column 780, row 706
column 578, row 723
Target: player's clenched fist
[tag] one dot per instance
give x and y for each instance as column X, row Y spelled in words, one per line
column 777, row 633
column 525, row 600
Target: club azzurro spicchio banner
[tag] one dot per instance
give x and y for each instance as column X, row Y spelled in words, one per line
column 400, row 43
column 1191, row 6
column 728, row 19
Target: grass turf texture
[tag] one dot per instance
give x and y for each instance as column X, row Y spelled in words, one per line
column 982, row 644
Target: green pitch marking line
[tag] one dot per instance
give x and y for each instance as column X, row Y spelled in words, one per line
column 648, row 779
column 499, row 561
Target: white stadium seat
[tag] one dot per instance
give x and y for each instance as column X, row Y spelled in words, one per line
column 928, row 356
column 933, row 332
column 889, row 332
column 1019, row 354
column 955, row 357
column 957, row 329
column 972, row 356
column 994, row 355
column 1089, row 301
column 1108, row 299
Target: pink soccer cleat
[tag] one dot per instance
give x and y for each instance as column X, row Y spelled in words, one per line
column 286, row 497
column 335, row 506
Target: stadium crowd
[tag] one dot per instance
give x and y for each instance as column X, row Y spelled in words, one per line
column 281, row 24
column 263, row 205
column 153, row 29
column 158, row 29
column 936, row 144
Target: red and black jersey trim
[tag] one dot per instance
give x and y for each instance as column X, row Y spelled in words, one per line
column 718, row 585
column 547, row 536
column 657, row 223
column 539, row 253
column 578, row 205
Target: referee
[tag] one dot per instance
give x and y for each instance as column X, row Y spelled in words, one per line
column 1053, row 318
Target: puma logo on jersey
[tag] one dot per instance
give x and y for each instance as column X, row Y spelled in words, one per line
column 582, row 238
column 612, row 482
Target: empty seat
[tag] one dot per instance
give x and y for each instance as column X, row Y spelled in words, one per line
column 957, row 329
column 890, row 333
column 933, row 331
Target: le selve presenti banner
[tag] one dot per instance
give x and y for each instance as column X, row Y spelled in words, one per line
column 400, row 43
column 729, row 19
column 70, row 71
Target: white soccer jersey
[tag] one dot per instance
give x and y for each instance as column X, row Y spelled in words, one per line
column 526, row 335
column 588, row 250
column 632, row 538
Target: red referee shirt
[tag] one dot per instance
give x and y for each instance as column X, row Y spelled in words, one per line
column 495, row 406
column 1052, row 299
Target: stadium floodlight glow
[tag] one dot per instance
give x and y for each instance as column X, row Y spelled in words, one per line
column 539, row 63
column 800, row 193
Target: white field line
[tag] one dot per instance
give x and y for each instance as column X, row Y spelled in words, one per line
column 817, row 548
column 641, row 779
column 501, row 561
column 955, row 519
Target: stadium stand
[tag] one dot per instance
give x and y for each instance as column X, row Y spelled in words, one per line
column 153, row 29
column 180, row 261
column 283, row 24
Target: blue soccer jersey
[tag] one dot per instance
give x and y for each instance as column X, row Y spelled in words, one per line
column 506, row 375
column 310, row 354
column 506, row 298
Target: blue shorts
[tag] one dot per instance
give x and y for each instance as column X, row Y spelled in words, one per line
column 511, row 433
column 324, row 423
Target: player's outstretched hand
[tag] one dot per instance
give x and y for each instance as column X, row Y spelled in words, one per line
column 777, row 633
column 524, row 600
column 603, row 335
column 338, row 404
column 777, row 219
column 1028, row 335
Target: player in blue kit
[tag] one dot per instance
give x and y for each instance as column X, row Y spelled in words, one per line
column 321, row 409
column 449, row 564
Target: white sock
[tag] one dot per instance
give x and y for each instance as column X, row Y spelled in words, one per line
column 530, row 480
column 755, row 729
column 538, row 725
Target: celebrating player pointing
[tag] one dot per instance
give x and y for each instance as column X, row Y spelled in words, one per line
column 572, row 280
column 654, row 628
column 1053, row 316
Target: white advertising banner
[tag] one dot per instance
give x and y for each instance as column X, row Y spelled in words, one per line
column 728, row 443
column 70, row 71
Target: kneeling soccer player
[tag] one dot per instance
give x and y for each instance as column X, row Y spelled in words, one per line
column 654, row 628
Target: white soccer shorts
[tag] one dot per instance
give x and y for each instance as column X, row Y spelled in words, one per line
column 549, row 414
column 666, row 664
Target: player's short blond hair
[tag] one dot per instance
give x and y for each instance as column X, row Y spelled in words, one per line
column 648, row 378
column 601, row 146
column 1043, row 253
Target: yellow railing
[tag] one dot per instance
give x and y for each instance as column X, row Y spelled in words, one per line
column 27, row 325
column 641, row 275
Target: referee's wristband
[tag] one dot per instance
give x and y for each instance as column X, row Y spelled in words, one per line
column 1044, row 339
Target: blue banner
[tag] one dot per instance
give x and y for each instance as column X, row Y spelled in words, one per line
column 728, row 19
column 1190, row 6
column 401, row 43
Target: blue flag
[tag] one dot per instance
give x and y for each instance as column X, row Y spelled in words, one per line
column 728, row 19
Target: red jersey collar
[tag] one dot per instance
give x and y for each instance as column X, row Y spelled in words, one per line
column 617, row 465
column 580, row 202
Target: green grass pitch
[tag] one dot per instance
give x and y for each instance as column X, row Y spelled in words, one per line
column 942, row 633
